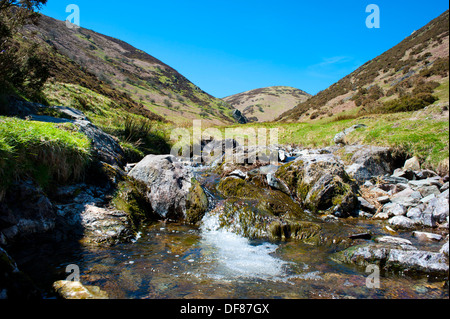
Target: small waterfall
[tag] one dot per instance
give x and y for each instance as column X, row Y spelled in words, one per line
column 236, row 257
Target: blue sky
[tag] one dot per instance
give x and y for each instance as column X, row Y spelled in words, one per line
column 230, row 46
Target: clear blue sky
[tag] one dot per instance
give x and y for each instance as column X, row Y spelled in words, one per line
column 230, row 46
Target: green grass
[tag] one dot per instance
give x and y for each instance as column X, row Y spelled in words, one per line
column 46, row 152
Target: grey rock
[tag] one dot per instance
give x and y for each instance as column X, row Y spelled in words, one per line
column 427, row 198
column 324, row 182
column 383, row 199
column 392, row 240
column 169, row 186
column 340, row 137
column 394, row 209
column 369, row 161
column 408, row 174
column 400, row 258
column 439, row 208
column 427, row 236
column 412, row 164
column 425, row 182
column 407, row 197
column 366, row 206
column 444, row 249
column 426, row 173
column 106, row 147
column 427, row 190
column 238, row 173
column 395, row 180
column 418, row 261
column 445, row 187
column 415, row 213
column 402, row 222
column 428, row 220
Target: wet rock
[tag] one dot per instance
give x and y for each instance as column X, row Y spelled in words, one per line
column 76, row 290
column 397, row 258
column 427, row 236
column 238, row 173
column 272, row 202
column 319, row 182
column 172, row 189
column 104, row 226
column 392, row 240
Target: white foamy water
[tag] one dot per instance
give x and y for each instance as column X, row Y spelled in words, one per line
column 235, row 257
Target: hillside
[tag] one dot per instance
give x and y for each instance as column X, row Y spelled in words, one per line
column 266, row 104
column 401, row 79
column 111, row 67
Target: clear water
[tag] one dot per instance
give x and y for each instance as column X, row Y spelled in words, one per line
column 172, row 260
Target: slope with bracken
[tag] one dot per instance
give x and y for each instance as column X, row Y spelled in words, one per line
column 266, row 104
column 89, row 60
column 408, row 77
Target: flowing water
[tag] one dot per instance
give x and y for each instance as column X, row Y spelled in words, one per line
column 173, row 260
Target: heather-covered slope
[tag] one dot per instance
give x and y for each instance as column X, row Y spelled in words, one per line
column 401, row 79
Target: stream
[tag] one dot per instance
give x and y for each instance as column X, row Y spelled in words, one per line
column 174, row 260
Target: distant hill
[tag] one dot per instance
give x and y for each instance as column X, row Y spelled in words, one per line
column 266, row 104
column 114, row 68
column 401, row 78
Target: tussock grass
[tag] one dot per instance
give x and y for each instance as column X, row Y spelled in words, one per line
column 46, row 152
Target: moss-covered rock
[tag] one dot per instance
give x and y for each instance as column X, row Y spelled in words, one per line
column 196, row 203
column 76, row 290
column 131, row 198
column 268, row 201
column 319, row 182
column 171, row 188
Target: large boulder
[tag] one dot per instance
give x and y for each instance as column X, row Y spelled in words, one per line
column 173, row 191
column 369, row 161
column 319, row 182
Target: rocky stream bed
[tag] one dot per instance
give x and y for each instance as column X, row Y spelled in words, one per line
column 309, row 226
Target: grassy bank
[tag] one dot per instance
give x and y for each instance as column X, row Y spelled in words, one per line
column 46, row 152
column 418, row 133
